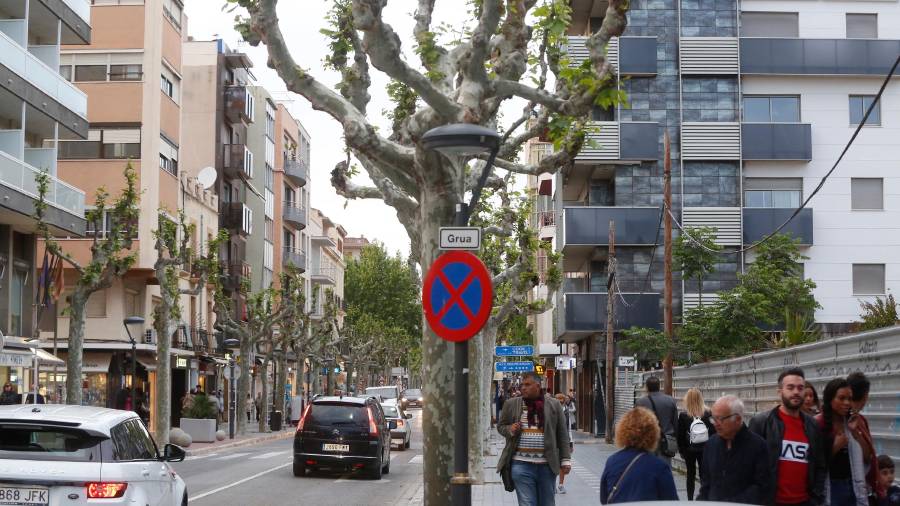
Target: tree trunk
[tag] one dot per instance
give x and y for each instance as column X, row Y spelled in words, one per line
column 264, row 395
column 489, row 337
column 700, row 288
column 76, row 346
column 164, row 329
column 243, row 404
column 476, row 411
column 280, row 380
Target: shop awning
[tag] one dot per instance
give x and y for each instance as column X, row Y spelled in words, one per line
column 147, row 362
column 48, row 358
column 90, row 362
column 16, row 357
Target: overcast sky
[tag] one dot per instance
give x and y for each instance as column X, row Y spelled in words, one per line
column 301, row 21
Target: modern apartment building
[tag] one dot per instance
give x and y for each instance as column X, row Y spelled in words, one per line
column 38, row 108
column 758, row 97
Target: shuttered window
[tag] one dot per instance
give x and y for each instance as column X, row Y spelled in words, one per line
column 866, row 193
column 770, row 24
column 868, row 279
column 862, row 26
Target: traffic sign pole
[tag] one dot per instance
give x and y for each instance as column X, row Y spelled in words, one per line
column 461, row 483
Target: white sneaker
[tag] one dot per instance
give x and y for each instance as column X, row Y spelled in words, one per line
column 561, row 489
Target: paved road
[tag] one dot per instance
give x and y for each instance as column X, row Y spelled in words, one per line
column 262, row 475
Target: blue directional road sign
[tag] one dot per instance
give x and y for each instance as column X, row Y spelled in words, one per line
column 515, row 366
column 514, row 351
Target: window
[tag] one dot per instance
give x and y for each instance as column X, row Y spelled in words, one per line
column 250, row 106
column 131, row 441
column 866, row 193
column 773, row 192
column 125, row 72
column 270, row 120
column 270, row 177
column 772, row 109
column 267, row 278
column 289, row 239
column 770, row 24
column 103, row 226
column 66, row 72
column 270, row 230
column 47, row 442
column 859, row 104
column 168, row 156
column 90, row 73
column 96, row 305
column 172, row 11
column 868, row 279
column 166, row 86
column 862, row 26
column 289, row 196
column 115, row 143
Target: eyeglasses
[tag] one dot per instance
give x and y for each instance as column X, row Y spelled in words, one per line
column 720, row 419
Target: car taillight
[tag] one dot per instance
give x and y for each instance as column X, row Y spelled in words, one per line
column 105, row 490
column 373, row 429
column 303, row 417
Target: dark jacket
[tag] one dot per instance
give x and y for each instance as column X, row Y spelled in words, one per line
column 768, row 425
column 556, row 434
column 683, row 433
column 649, row 479
column 666, row 410
column 740, row 474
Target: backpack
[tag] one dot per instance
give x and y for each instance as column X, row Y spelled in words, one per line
column 697, row 432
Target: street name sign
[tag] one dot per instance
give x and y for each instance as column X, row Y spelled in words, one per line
column 457, row 296
column 514, row 351
column 626, row 361
column 460, row 238
column 515, row 366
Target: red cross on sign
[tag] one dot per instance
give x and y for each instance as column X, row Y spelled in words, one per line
column 457, row 295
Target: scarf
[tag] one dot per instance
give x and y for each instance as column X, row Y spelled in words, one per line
column 535, row 411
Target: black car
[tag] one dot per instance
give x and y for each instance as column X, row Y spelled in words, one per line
column 343, row 434
column 413, row 397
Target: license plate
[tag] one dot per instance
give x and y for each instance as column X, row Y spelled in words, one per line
column 328, row 447
column 24, row 495
column 397, row 441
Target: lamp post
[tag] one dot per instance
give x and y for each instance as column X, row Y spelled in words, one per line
column 463, row 140
column 231, row 343
column 132, row 320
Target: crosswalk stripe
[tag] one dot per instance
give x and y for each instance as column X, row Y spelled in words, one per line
column 267, row 455
column 232, row 456
column 418, row 459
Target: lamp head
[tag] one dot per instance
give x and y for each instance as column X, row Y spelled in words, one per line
column 133, row 320
column 461, row 139
column 231, row 343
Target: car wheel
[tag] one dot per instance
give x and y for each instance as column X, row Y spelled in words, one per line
column 299, row 469
column 184, row 500
column 408, row 441
column 387, row 467
column 375, row 473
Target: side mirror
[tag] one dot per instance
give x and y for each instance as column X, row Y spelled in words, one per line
column 408, row 416
column 173, row 453
column 392, row 424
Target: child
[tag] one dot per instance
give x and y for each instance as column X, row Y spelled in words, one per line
column 886, row 480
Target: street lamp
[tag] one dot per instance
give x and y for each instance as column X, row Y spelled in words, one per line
column 231, row 343
column 132, row 320
column 463, row 140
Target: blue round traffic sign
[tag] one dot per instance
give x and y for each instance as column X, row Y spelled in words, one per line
column 457, row 295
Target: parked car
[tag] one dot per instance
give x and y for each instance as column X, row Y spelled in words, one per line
column 402, row 434
column 343, row 434
column 388, row 394
column 412, row 397
column 53, row 454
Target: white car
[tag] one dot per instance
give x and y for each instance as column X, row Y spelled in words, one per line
column 74, row 455
column 401, row 435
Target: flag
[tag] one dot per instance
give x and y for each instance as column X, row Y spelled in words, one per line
column 42, row 290
column 59, row 278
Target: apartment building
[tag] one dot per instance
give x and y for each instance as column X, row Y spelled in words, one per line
column 353, row 247
column 38, row 108
column 759, row 97
column 326, row 263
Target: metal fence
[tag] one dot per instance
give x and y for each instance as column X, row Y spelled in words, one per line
column 754, row 378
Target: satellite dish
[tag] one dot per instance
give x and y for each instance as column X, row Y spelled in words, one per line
column 207, row 177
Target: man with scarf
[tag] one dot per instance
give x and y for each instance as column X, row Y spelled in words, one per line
column 537, row 443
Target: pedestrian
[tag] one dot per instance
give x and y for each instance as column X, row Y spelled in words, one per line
column 886, row 482
column 694, row 430
column 257, row 405
column 220, row 406
column 537, row 443
column 666, row 411
column 735, row 466
column 187, row 402
column 846, row 475
column 9, row 395
column 634, row 473
column 859, row 388
column 570, row 404
column 562, row 402
column 248, row 406
column 796, row 454
column 811, row 404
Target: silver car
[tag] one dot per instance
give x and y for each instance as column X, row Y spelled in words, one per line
column 401, row 435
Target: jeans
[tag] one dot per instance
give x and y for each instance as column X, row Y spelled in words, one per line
column 534, row 484
column 842, row 493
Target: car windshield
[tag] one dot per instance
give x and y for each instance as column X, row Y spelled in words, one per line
column 36, row 442
column 384, row 392
column 413, row 392
column 338, row 414
column 390, row 411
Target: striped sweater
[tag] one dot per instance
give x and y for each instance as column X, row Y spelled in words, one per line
column 531, row 442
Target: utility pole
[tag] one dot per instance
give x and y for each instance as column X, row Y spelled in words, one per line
column 610, row 334
column 667, row 261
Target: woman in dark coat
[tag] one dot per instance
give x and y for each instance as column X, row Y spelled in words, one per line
column 692, row 453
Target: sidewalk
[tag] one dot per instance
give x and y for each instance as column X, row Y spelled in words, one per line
column 252, row 437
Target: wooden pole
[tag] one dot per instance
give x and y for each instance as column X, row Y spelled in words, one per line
column 610, row 334
column 667, row 261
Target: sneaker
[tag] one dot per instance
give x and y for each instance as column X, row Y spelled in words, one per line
column 561, row 489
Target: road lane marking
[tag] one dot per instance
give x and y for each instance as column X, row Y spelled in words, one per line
column 418, row 459
column 232, row 456
column 268, row 455
column 239, row 482
column 199, row 457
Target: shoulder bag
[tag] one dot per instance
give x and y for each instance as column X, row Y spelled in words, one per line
column 615, row 488
column 668, row 445
column 506, row 471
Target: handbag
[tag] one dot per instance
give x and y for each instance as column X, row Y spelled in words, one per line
column 615, row 488
column 668, row 445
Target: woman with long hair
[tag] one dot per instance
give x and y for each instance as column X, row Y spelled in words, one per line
column 634, row 473
column 811, row 405
column 694, row 429
column 846, row 474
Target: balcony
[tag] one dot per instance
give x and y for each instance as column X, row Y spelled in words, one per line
column 582, row 314
column 776, row 141
column 614, row 140
column 762, row 221
column 294, row 214
column 866, row 57
column 324, row 275
column 589, row 226
column 236, row 274
column 237, row 217
column 631, row 55
column 237, row 162
column 294, row 257
column 20, row 193
column 237, row 104
column 296, row 172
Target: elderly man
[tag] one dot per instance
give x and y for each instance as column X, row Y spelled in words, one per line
column 735, row 461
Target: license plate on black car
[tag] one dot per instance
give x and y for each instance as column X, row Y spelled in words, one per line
column 330, row 447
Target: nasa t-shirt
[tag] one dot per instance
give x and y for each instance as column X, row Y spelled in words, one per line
column 793, row 462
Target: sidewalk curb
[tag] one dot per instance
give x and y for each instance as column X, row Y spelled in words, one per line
column 237, row 444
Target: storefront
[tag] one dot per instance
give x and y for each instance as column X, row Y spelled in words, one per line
column 18, row 364
column 96, row 387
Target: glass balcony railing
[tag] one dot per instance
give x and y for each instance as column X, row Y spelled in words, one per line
column 23, row 177
column 80, row 7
